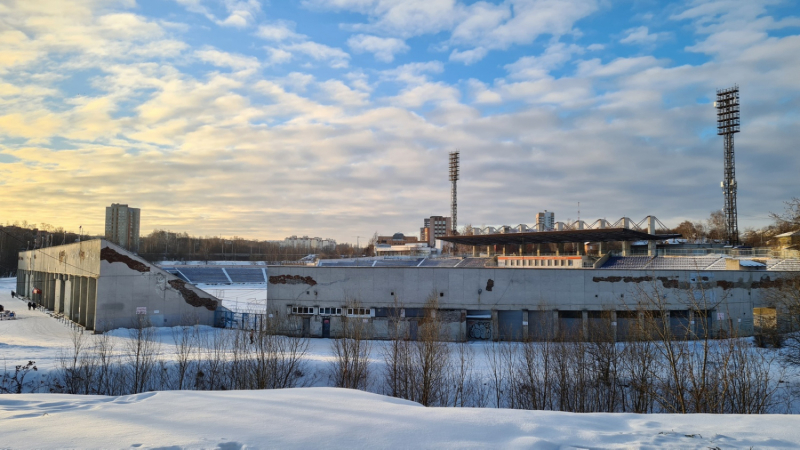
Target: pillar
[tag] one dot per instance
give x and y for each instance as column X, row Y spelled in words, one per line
column 489, row 251
column 559, row 249
column 521, row 249
column 91, row 303
column 626, row 248
column 84, row 304
column 504, row 250
column 585, row 324
column 614, row 325
column 58, row 305
column 495, row 326
column 525, row 321
column 651, row 229
column 538, row 249
column 474, row 250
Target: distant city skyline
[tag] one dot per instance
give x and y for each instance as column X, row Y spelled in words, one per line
column 335, row 118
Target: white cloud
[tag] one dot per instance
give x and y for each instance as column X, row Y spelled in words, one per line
column 413, row 73
column 468, row 56
column 640, row 35
column 531, row 67
column 241, row 13
column 278, row 55
column 384, row 49
column 279, row 31
column 225, row 59
column 336, row 57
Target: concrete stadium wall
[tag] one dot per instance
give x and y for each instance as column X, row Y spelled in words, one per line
column 729, row 295
column 101, row 286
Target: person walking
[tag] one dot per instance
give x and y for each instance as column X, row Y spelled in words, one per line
column 29, row 306
column 13, row 294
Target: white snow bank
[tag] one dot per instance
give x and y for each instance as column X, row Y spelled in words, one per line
column 339, row 418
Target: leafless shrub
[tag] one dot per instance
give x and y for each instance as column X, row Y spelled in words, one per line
column 142, row 352
column 351, row 365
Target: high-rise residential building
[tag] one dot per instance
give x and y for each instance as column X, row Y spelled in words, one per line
column 122, row 226
column 434, row 227
column 545, row 221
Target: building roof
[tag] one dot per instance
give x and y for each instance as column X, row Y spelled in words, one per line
column 558, row 237
column 789, row 234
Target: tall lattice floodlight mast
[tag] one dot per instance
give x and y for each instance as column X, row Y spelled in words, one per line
column 454, row 172
column 727, row 125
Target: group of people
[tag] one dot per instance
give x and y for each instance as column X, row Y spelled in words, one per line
column 32, row 305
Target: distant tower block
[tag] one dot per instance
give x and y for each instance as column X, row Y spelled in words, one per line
column 727, row 125
column 454, row 175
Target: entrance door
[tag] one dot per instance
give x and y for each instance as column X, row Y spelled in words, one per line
column 306, row 326
column 326, row 327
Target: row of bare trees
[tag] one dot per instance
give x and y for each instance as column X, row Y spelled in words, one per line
column 262, row 358
column 657, row 369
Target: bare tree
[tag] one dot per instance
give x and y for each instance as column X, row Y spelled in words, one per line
column 143, row 349
column 351, row 351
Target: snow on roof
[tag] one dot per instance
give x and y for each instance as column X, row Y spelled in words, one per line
column 789, row 234
column 750, row 263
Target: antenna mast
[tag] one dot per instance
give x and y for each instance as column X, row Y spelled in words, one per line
column 727, row 105
column 454, row 172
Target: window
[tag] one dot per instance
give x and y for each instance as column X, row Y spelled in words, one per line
column 330, row 311
column 570, row 263
column 303, row 309
column 359, row 312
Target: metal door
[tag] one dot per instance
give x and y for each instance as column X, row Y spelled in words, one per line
column 306, row 326
column 326, row 327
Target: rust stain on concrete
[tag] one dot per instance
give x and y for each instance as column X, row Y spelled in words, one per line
column 191, row 296
column 112, row 256
column 291, row 279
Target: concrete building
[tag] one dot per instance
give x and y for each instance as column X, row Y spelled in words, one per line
column 545, row 221
column 122, row 226
column 492, row 303
column 308, row 243
column 433, row 228
column 101, row 286
column 397, row 239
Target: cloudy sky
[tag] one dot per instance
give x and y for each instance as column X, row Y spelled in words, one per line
column 334, row 118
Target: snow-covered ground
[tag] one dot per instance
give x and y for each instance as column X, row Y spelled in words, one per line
column 339, row 418
column 320, row 416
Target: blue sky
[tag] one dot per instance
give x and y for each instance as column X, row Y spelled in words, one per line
column 334, row 118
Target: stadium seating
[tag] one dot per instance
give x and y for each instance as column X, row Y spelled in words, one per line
column 238, row 275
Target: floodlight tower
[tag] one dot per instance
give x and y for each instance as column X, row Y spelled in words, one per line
column 454, row 172
column 727, row 105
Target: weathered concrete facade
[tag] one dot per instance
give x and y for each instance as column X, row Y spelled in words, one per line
column 522, row 300
column 100, row 286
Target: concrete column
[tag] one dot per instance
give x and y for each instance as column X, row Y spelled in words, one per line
column 75, row 304
column 84, row 304
column 521, row 249
column 614, row 325
column 474, row 250
column 538, row 249
column 58, row 306
column 504, row 250
column 559, row 249
column 495, row 326
column 67, row 296
column 626, row 248
column 555, row 324
column 651, row 229
column 585, row 324
column 525, row 324
column 489, row 251
column 91, row 304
